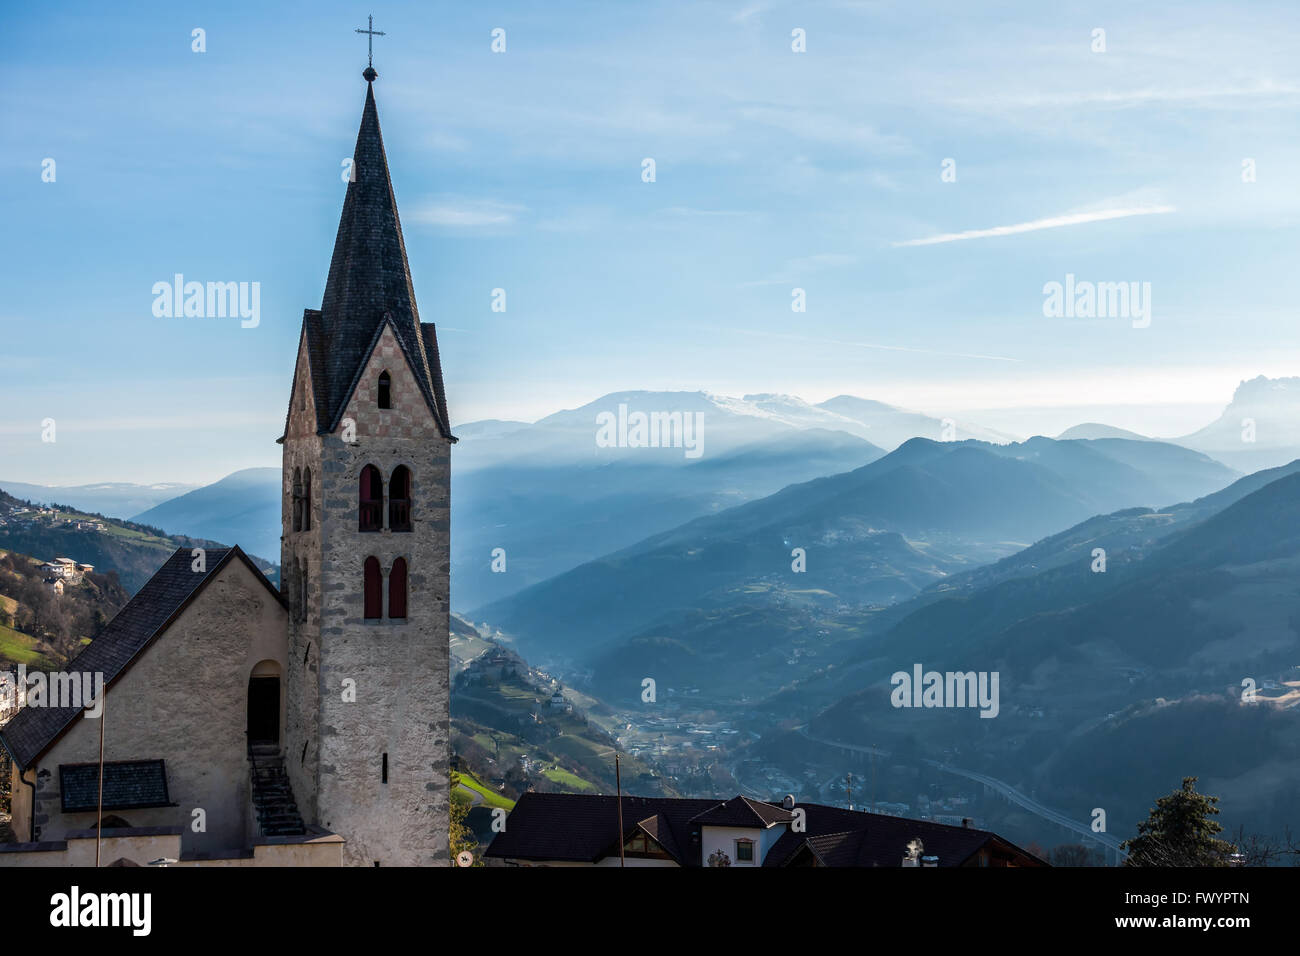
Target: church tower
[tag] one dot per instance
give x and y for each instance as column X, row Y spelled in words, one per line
column 365, row 552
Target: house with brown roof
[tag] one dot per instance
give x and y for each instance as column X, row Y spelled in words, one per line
column 561, row 829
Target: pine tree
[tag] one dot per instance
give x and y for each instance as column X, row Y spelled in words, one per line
column 1180, row 831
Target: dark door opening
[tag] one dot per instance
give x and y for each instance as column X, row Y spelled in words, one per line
column 264, row 710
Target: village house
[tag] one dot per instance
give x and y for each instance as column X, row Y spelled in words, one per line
column 560, row 829
column 560, row 702
column 9, row 698
column 62, row 568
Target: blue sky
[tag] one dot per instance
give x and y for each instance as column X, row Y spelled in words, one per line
column 522, row 170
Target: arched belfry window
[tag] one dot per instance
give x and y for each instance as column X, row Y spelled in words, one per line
column 306, row 500
column 397, row 590
column 385, row 390
column 371, row 515
column 297, row 499
column 399, row 499
column 374, row 590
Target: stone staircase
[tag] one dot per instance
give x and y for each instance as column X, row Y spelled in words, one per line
column 277, row 813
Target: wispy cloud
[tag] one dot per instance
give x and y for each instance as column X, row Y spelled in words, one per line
column 1052, row 222
column 1278, row 93
column 794, row 268
column 841, row 343
column 745, row 13
column 577, row 219
column 468, row 214
column 821, row 127
column 690, row 211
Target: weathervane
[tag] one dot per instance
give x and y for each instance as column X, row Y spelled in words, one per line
column 371, row 33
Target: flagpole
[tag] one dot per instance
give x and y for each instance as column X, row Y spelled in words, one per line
column 99, row 826
column 618, row 784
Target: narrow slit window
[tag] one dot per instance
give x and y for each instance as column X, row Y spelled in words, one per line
column 297, row 499
column 306, row 500
column 397, row 590
column 374, row 590
column 385, row 391
column 302, row 598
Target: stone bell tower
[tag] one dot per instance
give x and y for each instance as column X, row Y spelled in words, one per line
column 365, row 551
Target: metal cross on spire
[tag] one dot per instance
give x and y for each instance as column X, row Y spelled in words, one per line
column 371, row 33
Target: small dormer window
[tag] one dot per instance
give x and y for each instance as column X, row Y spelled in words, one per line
column 385, row 391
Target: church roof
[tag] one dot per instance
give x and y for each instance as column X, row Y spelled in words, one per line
column 33, row 730
column 369, row 284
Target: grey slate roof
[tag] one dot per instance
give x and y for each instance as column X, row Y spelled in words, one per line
column 145, row 617
column 839, row 837
column 369, row 283
column 128, row 785
column 584, row 828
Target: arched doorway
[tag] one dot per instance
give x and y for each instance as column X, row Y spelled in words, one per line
column 264, row 704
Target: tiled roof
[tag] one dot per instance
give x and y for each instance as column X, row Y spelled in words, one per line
column 660, row 829
column 369, row 282
column 743, row 812
column 584, row 828
column 147, row 615
column 842, row 837
column 128, row 784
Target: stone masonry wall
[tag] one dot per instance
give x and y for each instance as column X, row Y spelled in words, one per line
column 185, row 700
column 302, row 449
column 399, row 668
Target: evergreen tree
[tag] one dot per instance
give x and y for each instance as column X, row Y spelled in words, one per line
column 1180, row 831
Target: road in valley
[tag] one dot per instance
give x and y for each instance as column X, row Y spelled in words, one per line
column 1008, row 792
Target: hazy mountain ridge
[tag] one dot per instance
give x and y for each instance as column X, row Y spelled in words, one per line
column 1260, row 428
column 131, row 549
column 243, row 508
column 1089, row 430
column 872, row 536
column 1214, row 602
column 114, row 499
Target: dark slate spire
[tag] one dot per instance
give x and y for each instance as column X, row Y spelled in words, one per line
column 370, row 282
